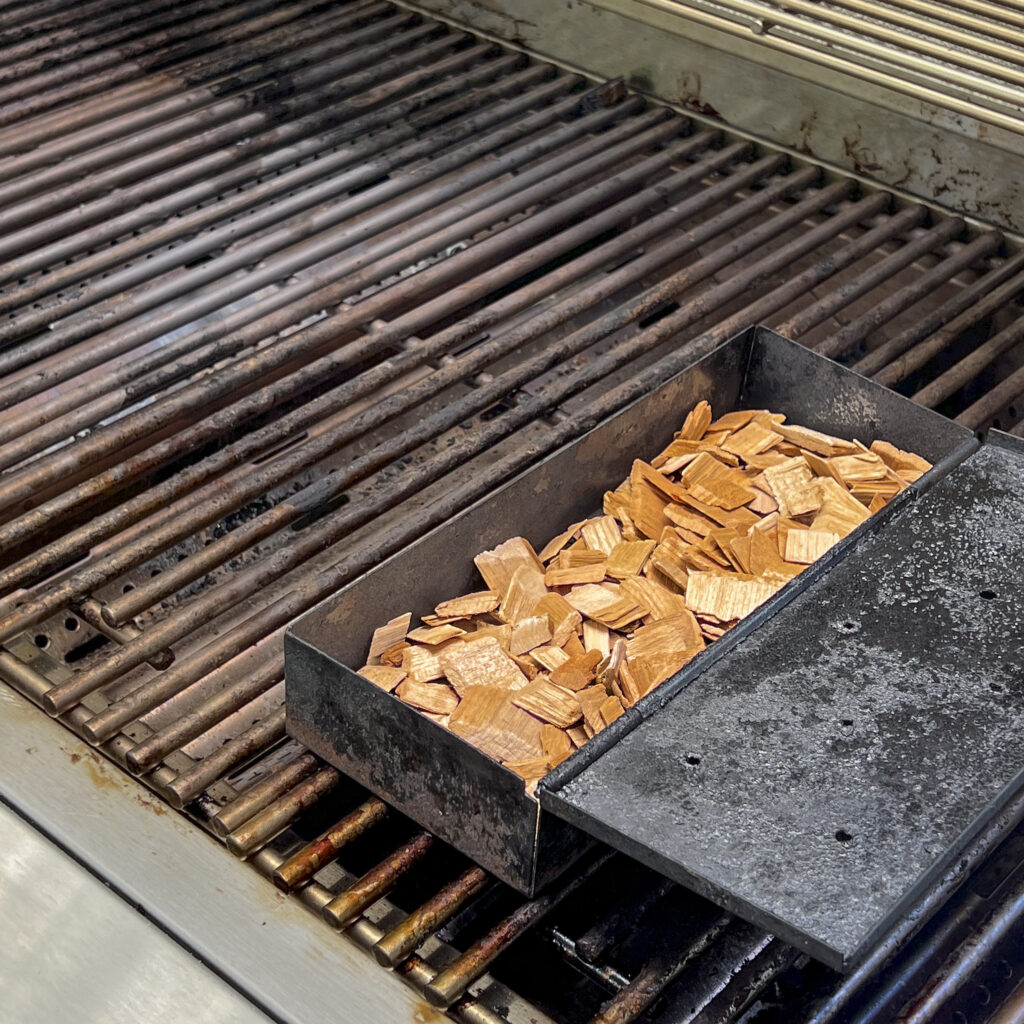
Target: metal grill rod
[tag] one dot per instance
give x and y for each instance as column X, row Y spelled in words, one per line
column 367, row 262
column 293, row 247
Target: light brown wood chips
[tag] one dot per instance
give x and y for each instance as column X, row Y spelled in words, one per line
column 558, row 644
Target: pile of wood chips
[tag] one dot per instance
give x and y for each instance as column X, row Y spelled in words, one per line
column 561, row 642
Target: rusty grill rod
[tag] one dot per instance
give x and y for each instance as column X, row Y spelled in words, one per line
column 331, row 528
column 377, row 882
column 428, row 918
column 186, row 725
column 967, row 368
column 263, row 793
column 276, row 816
column 964, row 257
column 912, row 348
column 189, row 784
column 160, row 195
column 680, row 950
column 453, row 981
column 137, row 110
column 300, row 867
column 414, row 970
column 369, row 261
column 881, row 270
column 316, row 236
column 1008, row 390
column 748, row 984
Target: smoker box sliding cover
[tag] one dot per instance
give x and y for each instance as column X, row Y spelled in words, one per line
column 827, row 771
column 437, row 778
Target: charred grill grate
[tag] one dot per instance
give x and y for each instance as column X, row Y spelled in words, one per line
column 284, row 285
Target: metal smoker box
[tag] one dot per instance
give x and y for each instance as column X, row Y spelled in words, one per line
column 434, row 776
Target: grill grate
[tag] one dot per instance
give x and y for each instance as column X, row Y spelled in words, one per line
column 284, row 286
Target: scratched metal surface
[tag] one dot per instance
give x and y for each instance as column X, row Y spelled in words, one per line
column 823, row 773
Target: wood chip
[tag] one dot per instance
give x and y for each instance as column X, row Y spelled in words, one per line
column 651, row 671
column 433, row 635
column 590, row 701
column 593, row 573
column 549, row 702
column 487, row 718
column 627, row 559
column 815, row 441
column 792, row 485
column 525, row 589
column 422, row 664
column 386, row 636
column 532, row 768
column 854, row 468
column 807, row 546
column 576, row 557
column 596, row 637
column 696, row 423
column 387, row 677
column 838, row 510
column 679, row 634
column 715, row 484
column 578, row 735
column 549, row 658
column 578, row 672
column 501, row 632
column 498, row 565
column 394, row 656
column 899, row 460
column 727, row 597
column 529, row 633
column 480, row 663
column 735, row 420
column 660, row 602
column 756, row 437
column 565, row 620
column 602, row 534
column 610, row 710
column 469, row 604
column 557, row 744
column 556, row 544
column 439, row 698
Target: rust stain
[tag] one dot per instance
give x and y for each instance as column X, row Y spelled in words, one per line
column 75, row 758
column 152, row 805
column 99, row 778
column 689, row 89
column 427, row 1014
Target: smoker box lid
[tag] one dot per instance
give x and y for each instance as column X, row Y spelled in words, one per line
column 823, row 774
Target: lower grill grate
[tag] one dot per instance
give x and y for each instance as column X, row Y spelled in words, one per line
column 286, row 285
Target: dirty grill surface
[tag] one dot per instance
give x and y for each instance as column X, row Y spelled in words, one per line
column 282, row 286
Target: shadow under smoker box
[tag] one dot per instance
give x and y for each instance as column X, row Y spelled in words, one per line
column 434, row 776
